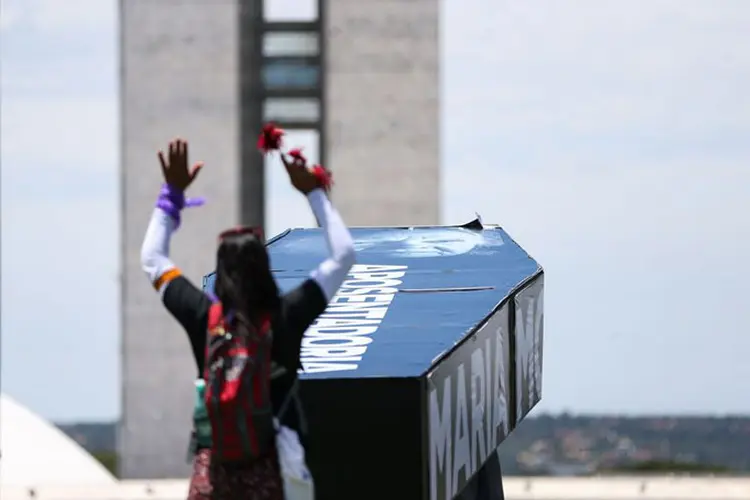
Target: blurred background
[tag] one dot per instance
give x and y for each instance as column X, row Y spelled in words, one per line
column 609, row 139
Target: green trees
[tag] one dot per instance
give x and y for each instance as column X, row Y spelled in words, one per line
column 108, row 459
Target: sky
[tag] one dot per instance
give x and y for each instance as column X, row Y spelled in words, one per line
column 610, row 138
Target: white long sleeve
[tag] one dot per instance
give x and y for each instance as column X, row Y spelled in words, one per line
column 155, row 250
column 332, row 272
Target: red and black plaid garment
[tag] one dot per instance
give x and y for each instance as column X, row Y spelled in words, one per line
column 238, row 390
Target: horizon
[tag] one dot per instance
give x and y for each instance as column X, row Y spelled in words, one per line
column 531, row 416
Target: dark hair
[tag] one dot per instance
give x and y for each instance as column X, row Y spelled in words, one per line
column 244, row 283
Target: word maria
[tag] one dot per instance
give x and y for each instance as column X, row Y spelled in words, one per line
column 468, row 411
column 340, row 336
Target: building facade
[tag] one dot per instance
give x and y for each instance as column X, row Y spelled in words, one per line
column 364, row 75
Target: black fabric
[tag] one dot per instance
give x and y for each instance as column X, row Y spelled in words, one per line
column 189, row 306
column 280, row 387
column 487, row 484
column 299, row 308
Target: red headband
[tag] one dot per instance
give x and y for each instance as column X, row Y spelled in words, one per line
column 257, row 231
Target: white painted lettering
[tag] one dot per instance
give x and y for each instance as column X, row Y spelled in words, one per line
column 478, row 423
column 488, row 395
column 478, row 439
column 462, row 438
column 499, row 403
column 326, row 323
column 335, row 341
column 440, row 440
column 334, row 352
column 314, row 367
column 353, row 315
column 349, row 332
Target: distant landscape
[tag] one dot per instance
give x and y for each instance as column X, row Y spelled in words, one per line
column 575, row 445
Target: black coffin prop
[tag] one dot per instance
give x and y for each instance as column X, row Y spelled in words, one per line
column 424, row 362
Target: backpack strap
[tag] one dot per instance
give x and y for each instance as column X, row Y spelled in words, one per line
column 288, row 399
column 292, row 396
column 300, row 413
column 215, row 317
column 214, row 328
column 277, row 370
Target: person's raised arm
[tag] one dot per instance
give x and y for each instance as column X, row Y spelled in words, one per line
column 165, row 219
column 186, row 302
column 302, row 305
column 155, row 260
column 332, row 272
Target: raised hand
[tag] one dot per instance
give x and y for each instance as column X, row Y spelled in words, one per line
column 302, row 177
column 174, row 165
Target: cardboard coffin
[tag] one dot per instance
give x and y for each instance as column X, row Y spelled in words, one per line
column 428, row 357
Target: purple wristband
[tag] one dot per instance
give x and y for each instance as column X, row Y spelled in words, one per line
column 171, row 200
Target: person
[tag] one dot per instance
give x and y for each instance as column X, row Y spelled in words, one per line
column 249, row 304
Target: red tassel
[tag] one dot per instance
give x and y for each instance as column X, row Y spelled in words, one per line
column 297, row 157
column 324, row 176
column 270, row 138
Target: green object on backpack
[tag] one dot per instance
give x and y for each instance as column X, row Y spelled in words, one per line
column 201, row 435
column 200, row 416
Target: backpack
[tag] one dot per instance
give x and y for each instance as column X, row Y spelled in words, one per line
column 237, row 375
column 200, row 436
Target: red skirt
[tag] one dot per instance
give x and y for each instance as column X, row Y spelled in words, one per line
column 258, row 480
column 200, row 481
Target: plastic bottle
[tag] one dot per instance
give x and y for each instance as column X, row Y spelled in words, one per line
column 200, row 414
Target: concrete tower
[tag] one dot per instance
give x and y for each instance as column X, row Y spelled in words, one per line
column 363, row 74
